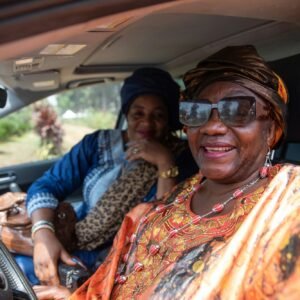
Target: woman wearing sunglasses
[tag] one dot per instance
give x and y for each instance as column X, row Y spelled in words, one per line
column 232, row 231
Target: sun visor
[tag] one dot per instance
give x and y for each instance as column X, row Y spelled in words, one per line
column 39, row 81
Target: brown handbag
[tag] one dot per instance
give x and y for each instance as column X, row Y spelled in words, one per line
column 15, row 225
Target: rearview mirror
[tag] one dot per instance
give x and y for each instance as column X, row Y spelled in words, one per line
column 3, row 97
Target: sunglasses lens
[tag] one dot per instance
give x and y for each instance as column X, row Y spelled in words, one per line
column 194, row 113
column 233, row 111
column 237, row 112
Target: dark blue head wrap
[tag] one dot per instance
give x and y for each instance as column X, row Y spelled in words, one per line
column 153, row 81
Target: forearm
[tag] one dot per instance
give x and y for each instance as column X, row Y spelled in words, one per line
column 63, row 178
column 42, row 222
column 46, row 214
column 167, row 178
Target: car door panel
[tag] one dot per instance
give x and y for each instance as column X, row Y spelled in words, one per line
column 23, row 175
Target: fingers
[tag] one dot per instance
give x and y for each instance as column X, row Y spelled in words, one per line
column 79, row 262
column 135, row 150
column 47, row 273
column 67, row 258
column 51, row 292
column 43, row 291
column 150, row 151
column 71, row 260
column 45, row 261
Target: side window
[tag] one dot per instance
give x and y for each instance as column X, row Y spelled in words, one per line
column 292, row 153
column 49, row 128
column 288, row 152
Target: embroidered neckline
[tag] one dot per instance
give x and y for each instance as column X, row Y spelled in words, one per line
column 184, row 196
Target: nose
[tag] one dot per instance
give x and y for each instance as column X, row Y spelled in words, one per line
column 214, row 125
column 147, row 120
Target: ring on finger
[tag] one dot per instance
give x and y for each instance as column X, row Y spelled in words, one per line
column 135, row 150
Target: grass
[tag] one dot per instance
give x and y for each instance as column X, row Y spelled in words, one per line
column 96, row 120
column 25, row 148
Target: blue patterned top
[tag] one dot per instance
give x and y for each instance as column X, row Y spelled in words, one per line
column 94, row 163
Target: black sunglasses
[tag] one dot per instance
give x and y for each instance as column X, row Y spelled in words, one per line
column 233, row 111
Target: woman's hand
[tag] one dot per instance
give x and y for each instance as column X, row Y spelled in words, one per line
column 158, row 155
column 46, row 254
column 152, row 152
column 44, row 292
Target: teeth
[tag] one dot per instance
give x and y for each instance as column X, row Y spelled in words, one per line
column 218, row 149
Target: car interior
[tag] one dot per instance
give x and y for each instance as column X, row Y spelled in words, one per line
column 13, row 283
column 47, row 47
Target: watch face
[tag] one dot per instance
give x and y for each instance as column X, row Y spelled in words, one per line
column 176, row 171
column 172, row 172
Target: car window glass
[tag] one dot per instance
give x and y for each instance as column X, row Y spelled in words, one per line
column 292, row 153
column 50, row 127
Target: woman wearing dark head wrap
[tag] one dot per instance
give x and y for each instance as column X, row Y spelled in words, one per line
column 118, row 169
column 157, row 82
column 232, row 231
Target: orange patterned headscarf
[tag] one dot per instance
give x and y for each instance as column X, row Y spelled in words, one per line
column 242, row 65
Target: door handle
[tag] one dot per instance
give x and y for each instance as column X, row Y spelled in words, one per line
column 7, row 178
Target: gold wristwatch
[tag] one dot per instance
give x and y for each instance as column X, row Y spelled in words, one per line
column 170, row 173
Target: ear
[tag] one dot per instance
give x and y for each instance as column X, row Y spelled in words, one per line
column 271, row 134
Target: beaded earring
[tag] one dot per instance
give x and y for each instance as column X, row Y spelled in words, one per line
column 263, row 172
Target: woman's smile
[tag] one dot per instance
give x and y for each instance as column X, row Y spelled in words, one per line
column 215, row 150
column 146, row 134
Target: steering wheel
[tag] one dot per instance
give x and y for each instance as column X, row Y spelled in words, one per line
column 13, row 283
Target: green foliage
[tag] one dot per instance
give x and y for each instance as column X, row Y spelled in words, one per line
column 49, row 129
column 15, row 124
column 47, row 151
column 100, row 97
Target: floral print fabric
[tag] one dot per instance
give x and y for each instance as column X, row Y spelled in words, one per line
column 251, row 253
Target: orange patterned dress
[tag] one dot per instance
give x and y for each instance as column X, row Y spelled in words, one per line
column 251, row 253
